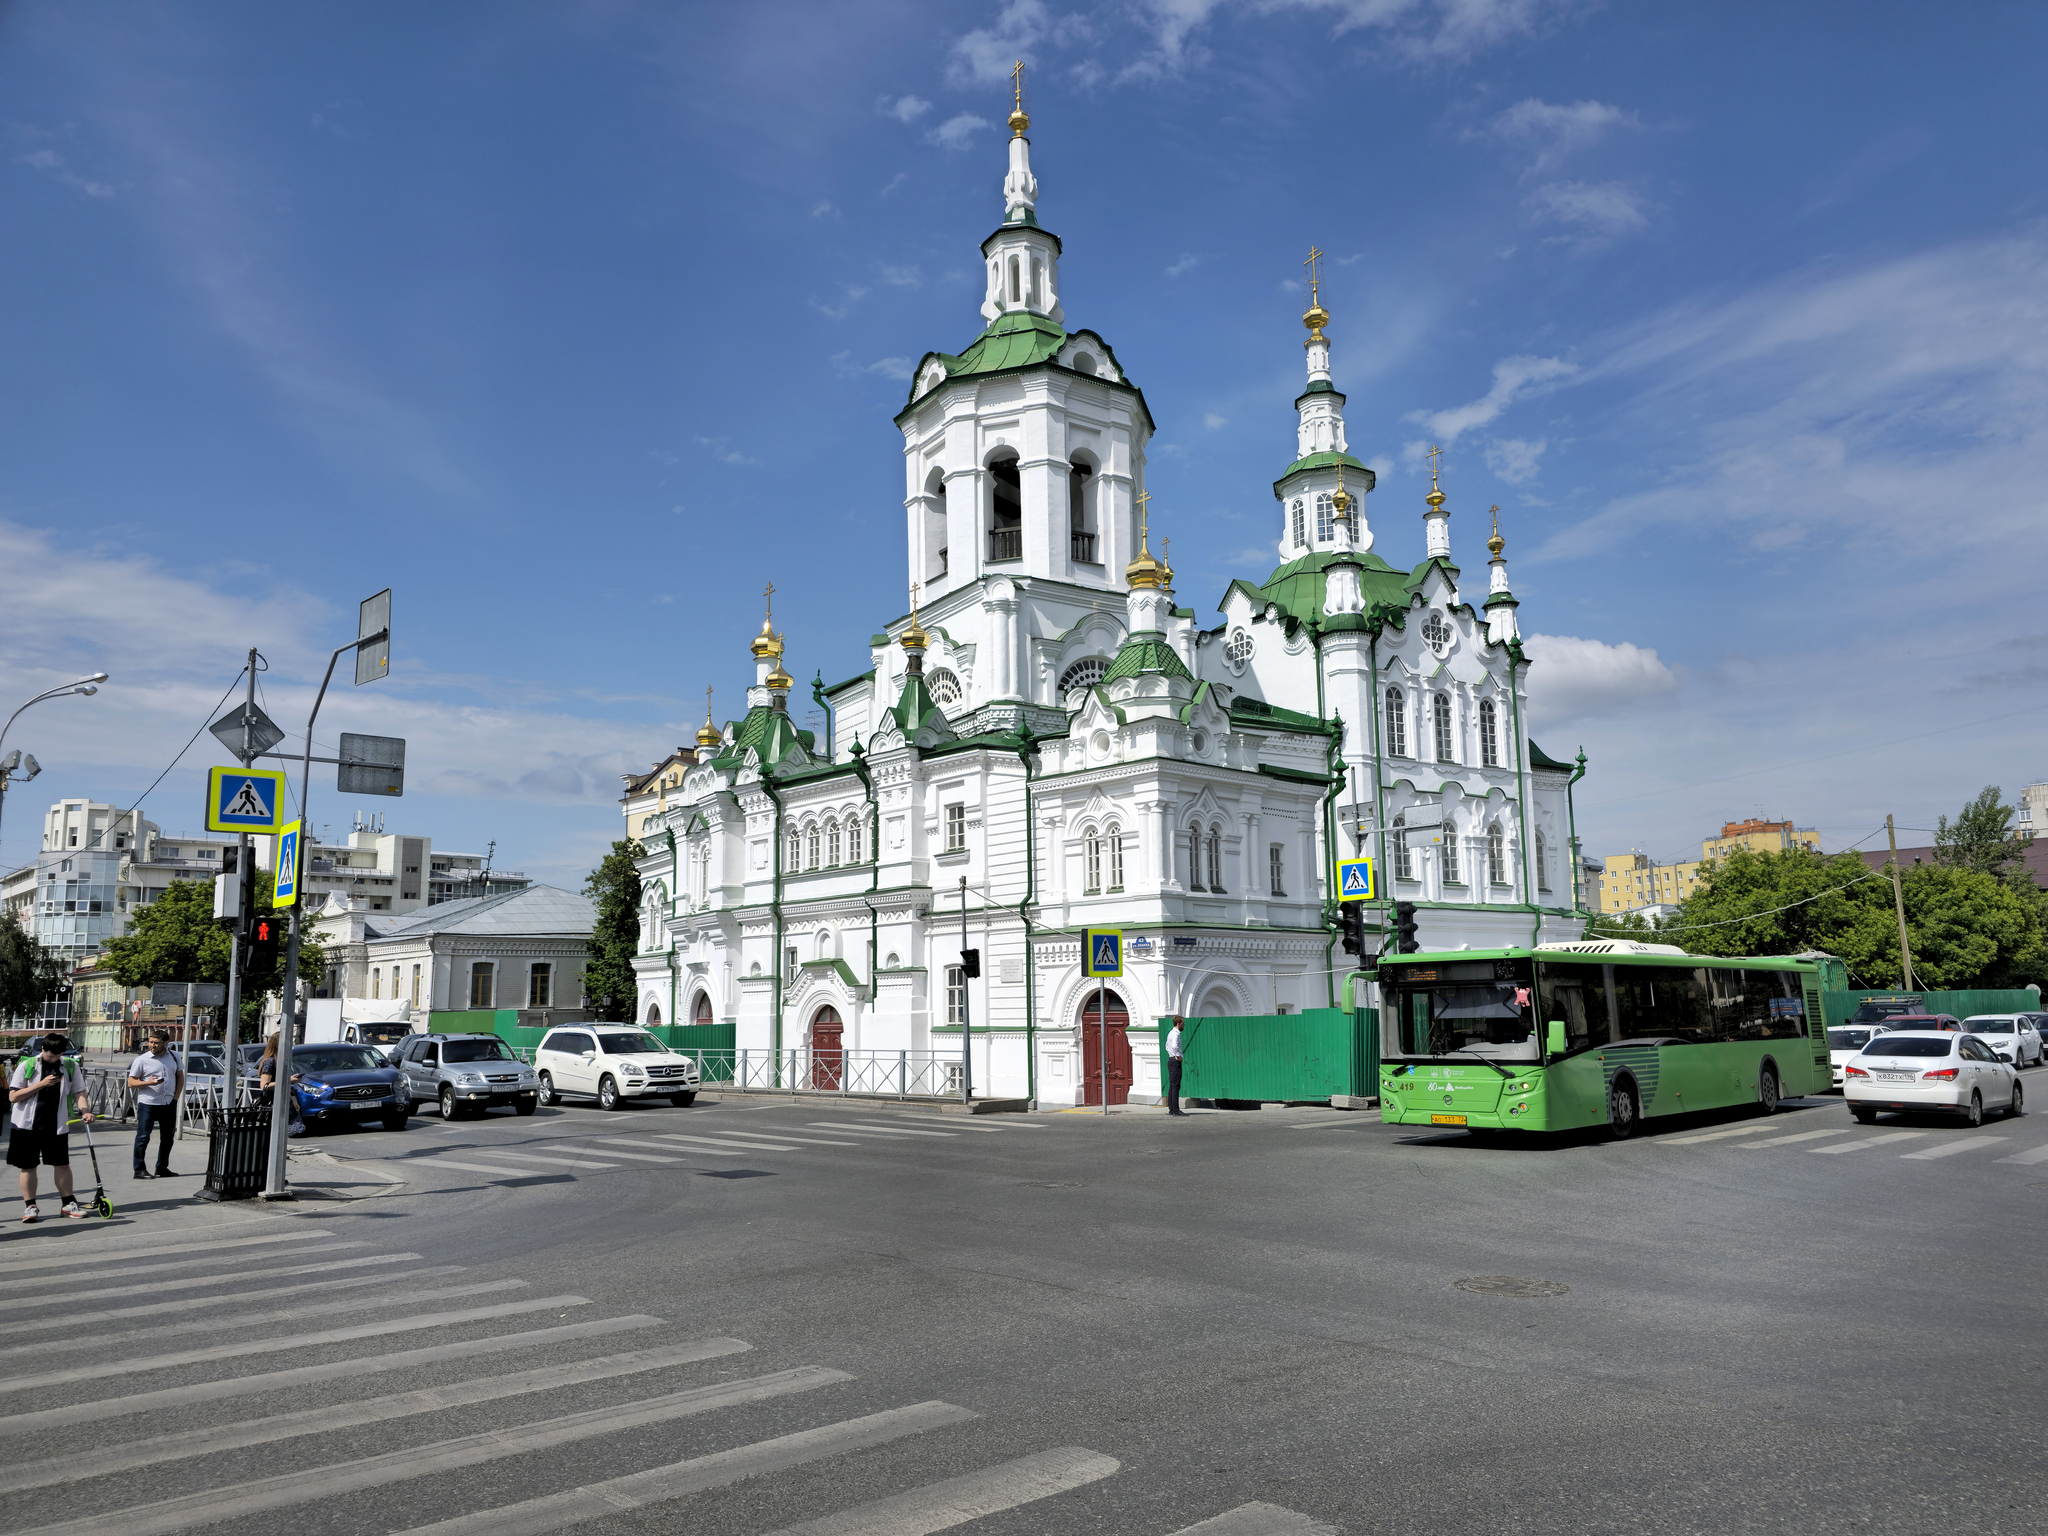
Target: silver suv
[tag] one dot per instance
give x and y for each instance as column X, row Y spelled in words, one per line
column 465, row 1074
column 615, row 1062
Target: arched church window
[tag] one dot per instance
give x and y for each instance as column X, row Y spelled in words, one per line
column 944, row 686
column 1195, row 859
column 1397, row 723
column 1006, row 511
column 1016, row 283
column 1299, row 516
column 1080, row 526
column 1091, row 863
column 702, row 1012
column 1037, row 283
column 832, row 845
column 1450, row 836
column 1216, row 859
column 1085, row 673
column 1325, row 511
column 1113, row 837
column 1436, row 634
column 1084, row 362
column 1440, row 717
column 1237, row 650
column 1404, row 856
column 1496, row 855
column 796, row 851
column 853, row 840
column 811, row 840
column 1489, row 734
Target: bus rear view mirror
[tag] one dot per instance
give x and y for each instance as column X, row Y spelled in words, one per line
column 1555, row 1041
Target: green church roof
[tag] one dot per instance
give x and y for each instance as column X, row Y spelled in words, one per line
column 1144, row 653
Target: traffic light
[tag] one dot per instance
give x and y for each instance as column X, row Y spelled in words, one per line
column 1404, row 928
column 265, row 929
column 1351, row 921
column 970, row 963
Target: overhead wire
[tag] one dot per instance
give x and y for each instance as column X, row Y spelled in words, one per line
column 206, row 720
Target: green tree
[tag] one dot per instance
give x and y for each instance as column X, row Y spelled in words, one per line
column 31, row 973
column 1982, row 838
column 608, row 984
column 175, row 938
column 1622, row 925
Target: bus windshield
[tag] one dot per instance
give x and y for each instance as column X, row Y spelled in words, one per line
column 1476, row 1008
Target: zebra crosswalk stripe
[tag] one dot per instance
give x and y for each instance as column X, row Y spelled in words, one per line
column 210, row 1247
column 2029, row 1158
column 69, row 1299
column 1259, row 1520
column 941, row 1506
column 536, row 1517
column 1786, row 1141
column 1869, row 1141
column 873, row 1130
column 239, row 1298
column 730, row 1146
column 495, row 1172
column 1951, row 1148
column 543, row 1157
column 808, row 1141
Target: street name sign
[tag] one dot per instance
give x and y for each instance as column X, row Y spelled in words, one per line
column 171, row 994
column 1355, row 880
column 1102, row 952
column 285, row 891
column 244, row 799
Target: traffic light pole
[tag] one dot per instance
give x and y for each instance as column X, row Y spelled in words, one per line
column 232, row 1036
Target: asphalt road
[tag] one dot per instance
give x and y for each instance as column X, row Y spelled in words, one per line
column 887, row 1321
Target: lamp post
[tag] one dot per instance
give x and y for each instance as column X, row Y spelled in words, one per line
column 8, row 766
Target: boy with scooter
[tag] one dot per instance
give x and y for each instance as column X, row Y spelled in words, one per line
column 41, row 1133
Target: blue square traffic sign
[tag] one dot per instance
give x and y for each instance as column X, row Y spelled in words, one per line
column 244, row 800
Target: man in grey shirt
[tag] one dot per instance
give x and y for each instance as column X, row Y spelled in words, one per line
column 158, row 1079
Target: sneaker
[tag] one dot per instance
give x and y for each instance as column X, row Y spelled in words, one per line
column 30, row 1213
column 72, row 1209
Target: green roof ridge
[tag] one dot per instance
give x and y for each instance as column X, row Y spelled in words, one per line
column 1147, row 653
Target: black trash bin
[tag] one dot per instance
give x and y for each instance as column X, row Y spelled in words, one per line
column 237, row 1153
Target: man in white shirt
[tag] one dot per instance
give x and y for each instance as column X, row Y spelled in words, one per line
column 1173, row 1049
column 158, row 1079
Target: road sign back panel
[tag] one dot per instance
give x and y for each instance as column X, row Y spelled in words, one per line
column 244, row 799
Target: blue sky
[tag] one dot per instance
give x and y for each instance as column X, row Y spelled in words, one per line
column 577, row 324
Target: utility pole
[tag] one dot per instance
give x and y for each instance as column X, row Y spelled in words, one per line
column 231, row 1039
column 966, row 1029
column 1899, row 901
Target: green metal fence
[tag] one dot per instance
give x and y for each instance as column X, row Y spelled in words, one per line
column 1312, row 1055
column 1836, row 1007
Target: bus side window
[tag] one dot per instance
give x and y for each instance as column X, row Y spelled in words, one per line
column 1576, row 994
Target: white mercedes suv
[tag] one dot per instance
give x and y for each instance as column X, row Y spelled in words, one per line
column 612, row 1063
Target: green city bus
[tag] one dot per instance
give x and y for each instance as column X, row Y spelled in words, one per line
column 1598, row 1033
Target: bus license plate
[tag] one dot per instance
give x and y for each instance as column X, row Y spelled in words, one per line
column 1446, row 1119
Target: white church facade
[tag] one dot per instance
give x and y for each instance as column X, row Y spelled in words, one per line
column 1048, row 743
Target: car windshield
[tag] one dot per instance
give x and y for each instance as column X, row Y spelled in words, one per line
column 476, row 1050
column 1873, row 1013
column 1849, row 1039
column 1991, row 1026
column 631, row 1044
column 337, row 1058
column 1908, row 1045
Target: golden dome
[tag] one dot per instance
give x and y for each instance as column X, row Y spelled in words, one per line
column 708, row 735
column 1435, row 497
column 767, row 643
column 1019, row 121
column 779, row 680
column 1342, row 500
column 914, row 638
column 1145, row 571
column 1315, row 317
column 1496, row 543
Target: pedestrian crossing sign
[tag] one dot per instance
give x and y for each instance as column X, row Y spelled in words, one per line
column 1355, row 880
column 244, row 799
column 284, row 891
column 1102, row 953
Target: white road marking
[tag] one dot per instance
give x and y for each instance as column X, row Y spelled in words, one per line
column 93, row 1410
column 126, row 1456
column 616, row 1149
column 805, row 1141
column 127, row 1364
column 536, row 1517
column 1260, row 1520
column 155, row 1287
column 1693, row 1141
column 308, row 1484
column 873, row 1130
column 540, row 1157
column 1951, row 1148
column 1786, row 1141
column 1868, row 1141
column 2028, row 1159
column 953, row 1127
column 731, row 1146
column 211, row 1247
column 438, row 1161
column 238, row 1298
column 941, row 1506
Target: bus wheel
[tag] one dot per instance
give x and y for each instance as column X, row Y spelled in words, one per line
column 1767, row 1091
column 1622, row 1120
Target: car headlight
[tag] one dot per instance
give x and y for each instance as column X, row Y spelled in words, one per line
column 323, row 1091
column 470, row 1080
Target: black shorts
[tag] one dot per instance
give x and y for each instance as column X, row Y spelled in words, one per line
column 25, row 1149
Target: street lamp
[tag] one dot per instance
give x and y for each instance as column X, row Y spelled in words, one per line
column 12, row 762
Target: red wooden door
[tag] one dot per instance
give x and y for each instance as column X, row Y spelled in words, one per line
column 827, row 1059
column 1118, row 1040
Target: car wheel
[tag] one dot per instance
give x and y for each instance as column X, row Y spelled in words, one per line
column 397, row 1122
column 1622, row 1119
column 1864, row 1116
column 608, row 1093
column 2018, row 1106
column 682, row 1100
column 526, row 1105
column 547, row 1094
column 1767, row 1091
column 450, row 1110
column 1974, row 1115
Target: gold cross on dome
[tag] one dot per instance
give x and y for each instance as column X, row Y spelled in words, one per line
column 1143, row 497
column 1436, row 459
column 915, row 588
column 768, row 595
column 1017, row 83
column 1314, row 256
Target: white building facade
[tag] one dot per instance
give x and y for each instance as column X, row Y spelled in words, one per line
column 1047, row 743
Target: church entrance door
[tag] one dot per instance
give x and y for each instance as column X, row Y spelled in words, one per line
column 1116, row 1039
column 828, row 1061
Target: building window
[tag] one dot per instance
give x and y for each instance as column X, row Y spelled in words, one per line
column 1440, row 716
column 944, row 686
column 376, row 980
column 1404, row 856
column 1091, row 863
column 1006, row 511
column 1299, row 516
column 956, row 994
column 1489, row 735
column 1276, row 869
column 1216, row 860
column 540, row 985
column 1496, row 855
column 1195, row 859
column 796, row 851
column 853, row 840
column 1397, row 723
column 1237, row 650
column 811, row 839
column 832, row 846
column 1450, row 836
column 1079, row 527
column 789, row 964
column 956, row 829
column 480, row 984
column 1542, row 863
column 415, row 986
column 1085, row 673
column 1114, row 837
column 1324, row 511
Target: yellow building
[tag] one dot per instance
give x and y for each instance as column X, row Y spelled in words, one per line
column 1634, row 880
column 1760, row 837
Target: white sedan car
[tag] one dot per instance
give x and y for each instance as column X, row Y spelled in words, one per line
column 1924, row 1070
column 1844, row 1041
column 2008, row 1034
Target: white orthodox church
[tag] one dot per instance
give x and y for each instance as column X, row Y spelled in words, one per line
column 1047, row 743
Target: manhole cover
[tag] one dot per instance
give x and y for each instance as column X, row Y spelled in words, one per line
column 1510, row 1285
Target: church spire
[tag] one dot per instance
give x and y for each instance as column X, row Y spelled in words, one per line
column 1023, row 259
column 1436, row 519
column 1020, row 187
column 1501, row 625
column 1320, row 407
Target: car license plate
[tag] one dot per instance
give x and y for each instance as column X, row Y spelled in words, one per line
column 1896, row 1077
column 1446, row 1119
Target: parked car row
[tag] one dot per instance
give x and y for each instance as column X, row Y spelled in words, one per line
column 2017, row 1037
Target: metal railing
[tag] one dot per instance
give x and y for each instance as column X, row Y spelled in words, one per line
column 1006, row 543
column 1084, row 548
column 851, row 1074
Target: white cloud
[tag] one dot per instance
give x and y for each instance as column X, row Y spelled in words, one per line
column 1571, row 679
column 848, row 297
column 1594, row 212
column 721, row 449
column 1187, row 263
column 985, row 55
column 894, row 182
column 1556, row 130
column 1413, row 31
column 1514, row 378
column 1515, row 459
column 822, row 207
column 53, row 165
column 1212, row 421
column 881, row 368
column 901, row 276
column 905, row 109
column 957, row 132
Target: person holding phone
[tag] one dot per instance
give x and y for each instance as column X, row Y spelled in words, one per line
column 41, row 1132
column 158, row 1078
